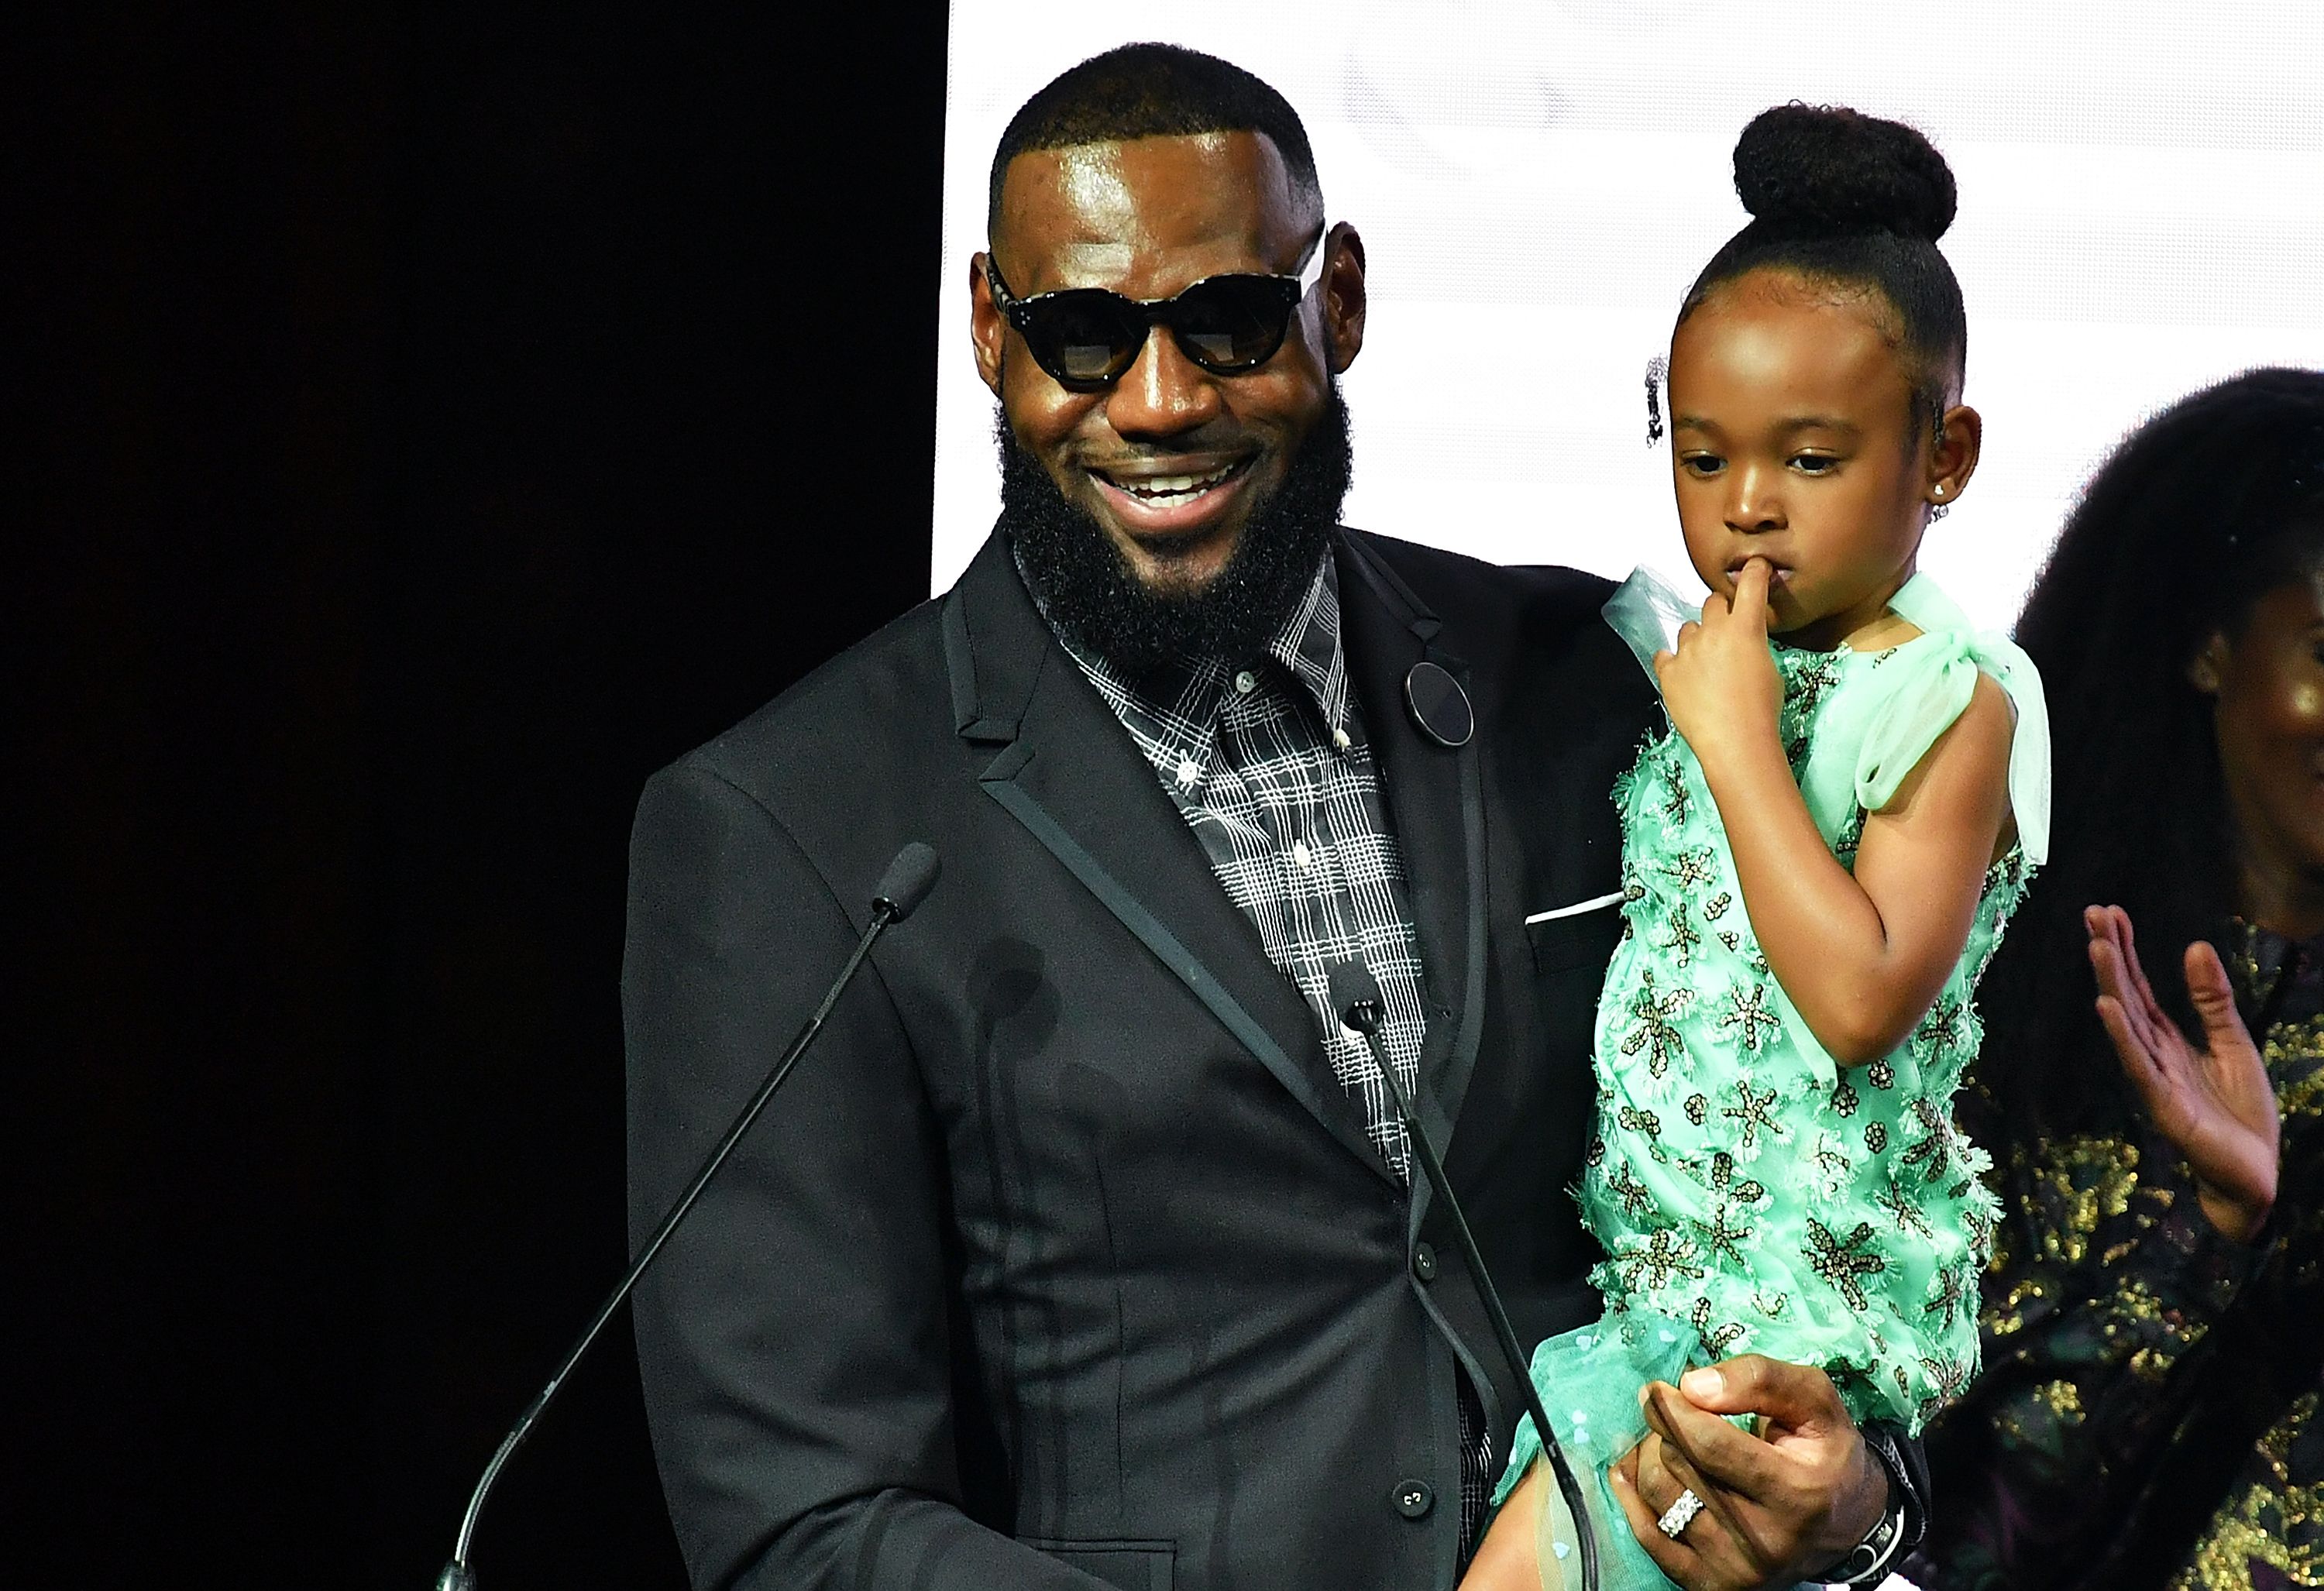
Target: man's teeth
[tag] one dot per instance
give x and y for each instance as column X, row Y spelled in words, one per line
column 1161, row 488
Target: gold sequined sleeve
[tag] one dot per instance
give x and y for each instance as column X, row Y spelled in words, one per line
column 2105, row 1275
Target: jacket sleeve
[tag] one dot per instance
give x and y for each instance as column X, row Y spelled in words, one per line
column 2105, row 1284
column 792, row 1338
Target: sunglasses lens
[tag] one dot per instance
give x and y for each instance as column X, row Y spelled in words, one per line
column 1231, row 323
column 1084, row 336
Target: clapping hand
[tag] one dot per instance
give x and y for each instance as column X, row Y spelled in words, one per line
column 2216, row 1106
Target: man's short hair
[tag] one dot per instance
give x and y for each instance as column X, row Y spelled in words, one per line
column 1153, row 91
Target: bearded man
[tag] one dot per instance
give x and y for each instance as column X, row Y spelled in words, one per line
column 1087, row 1249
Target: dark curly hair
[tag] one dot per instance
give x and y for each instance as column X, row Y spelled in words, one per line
column 2198, row 513
column 1850, row 200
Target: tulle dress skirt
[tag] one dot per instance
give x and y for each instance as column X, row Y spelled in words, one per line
column 1589, row 1379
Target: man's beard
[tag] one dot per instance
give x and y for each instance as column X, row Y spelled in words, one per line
column 1090, row 592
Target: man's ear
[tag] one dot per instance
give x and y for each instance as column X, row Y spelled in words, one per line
column 2209, row 666
column 1344, row 297
column 987, row 326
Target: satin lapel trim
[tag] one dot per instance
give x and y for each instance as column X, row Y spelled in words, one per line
column 1189, row 967
column 1434, row 797
column 1070, row 774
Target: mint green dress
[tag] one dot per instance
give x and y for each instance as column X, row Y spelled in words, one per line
column 1753, row 1196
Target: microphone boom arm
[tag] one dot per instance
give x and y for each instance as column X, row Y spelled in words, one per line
column 1362, row 1014
column 908, row 880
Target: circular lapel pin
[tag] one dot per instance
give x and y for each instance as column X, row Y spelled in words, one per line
column 1438, row 705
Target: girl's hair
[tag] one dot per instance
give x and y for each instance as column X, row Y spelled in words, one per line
column 1851, row 201
column 2198, row 513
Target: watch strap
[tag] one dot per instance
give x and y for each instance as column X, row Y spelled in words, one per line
column 1900, row 1525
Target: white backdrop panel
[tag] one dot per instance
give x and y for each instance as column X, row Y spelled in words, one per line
column 2142, row 211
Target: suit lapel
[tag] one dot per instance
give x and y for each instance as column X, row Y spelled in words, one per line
column 1434, row 799
column 1065, row 768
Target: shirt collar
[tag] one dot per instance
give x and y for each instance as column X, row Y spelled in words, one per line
column 1307, row 645
column 2261, row 956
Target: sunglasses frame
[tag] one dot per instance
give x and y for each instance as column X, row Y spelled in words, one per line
column 1295, row 288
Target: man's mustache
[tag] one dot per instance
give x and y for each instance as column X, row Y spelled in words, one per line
column 1088, row 589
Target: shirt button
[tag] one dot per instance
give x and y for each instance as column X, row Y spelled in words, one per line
column 1413, row 1498
column 1246, row 682
column 1424, row 1262
column 1300, row 854
column 1188, row 772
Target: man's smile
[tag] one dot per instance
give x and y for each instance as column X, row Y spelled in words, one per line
column 1170, row 498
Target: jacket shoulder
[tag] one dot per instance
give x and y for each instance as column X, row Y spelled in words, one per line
column 1461, row 588
column 1512, row 621
column 858, row 716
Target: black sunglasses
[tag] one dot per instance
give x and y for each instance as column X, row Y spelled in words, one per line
column 1087, row 337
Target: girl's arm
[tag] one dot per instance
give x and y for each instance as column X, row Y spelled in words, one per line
column 1862, row 956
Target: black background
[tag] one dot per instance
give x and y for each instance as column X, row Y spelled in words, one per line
column 431, row 422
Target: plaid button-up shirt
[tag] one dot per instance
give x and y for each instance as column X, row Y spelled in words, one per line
column 1268, row 764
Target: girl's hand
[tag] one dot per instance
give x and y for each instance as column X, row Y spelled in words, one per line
column 2218, row 1107
column 1719, row 685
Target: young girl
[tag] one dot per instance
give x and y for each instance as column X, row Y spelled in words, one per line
column 1818, row 858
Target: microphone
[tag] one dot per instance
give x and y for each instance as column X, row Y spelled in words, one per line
column 907, row 882
column 902, row 887
column 1356, row 996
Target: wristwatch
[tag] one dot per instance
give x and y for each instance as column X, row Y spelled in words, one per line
column 1869, row 1562
column 1900, row 1525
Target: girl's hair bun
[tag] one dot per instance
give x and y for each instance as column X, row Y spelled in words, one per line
column 1806, row 168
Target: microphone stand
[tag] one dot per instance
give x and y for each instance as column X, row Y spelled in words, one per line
column 907, row 881
column 1357, row 994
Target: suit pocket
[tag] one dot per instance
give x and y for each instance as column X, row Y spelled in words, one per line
column 1578, row 939
column 1131, row 1566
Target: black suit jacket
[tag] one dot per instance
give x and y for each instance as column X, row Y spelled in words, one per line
column 1063, row 1260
